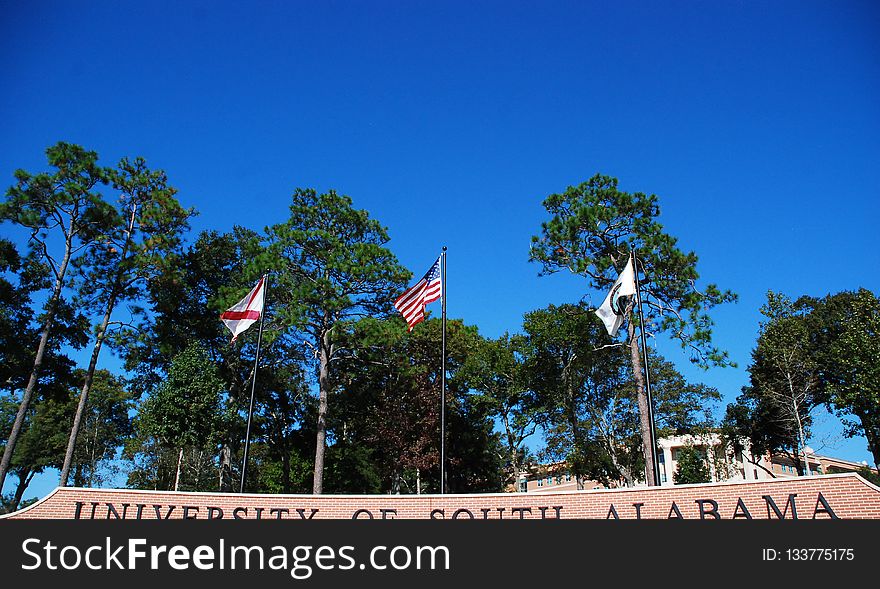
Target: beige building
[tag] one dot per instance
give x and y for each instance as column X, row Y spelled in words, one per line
column 743, row 466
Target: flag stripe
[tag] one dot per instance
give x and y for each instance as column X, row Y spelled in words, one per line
column 418, row 298
column 410, row 292
column 238, row 315
column 256, row 292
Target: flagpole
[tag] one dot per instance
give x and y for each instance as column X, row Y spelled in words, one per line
column 653, row 434
column 247, row 436
column 443, row 378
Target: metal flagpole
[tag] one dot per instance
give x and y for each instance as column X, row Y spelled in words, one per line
column 247, row 436
column 443, row 377
column 653, row 441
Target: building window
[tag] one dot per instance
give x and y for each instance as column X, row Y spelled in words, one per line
column 568, row 477
column 523, row 485
column 549, row 480
column 540, row 482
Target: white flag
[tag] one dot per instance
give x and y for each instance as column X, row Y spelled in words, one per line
column 612, row 310
column 245, row 312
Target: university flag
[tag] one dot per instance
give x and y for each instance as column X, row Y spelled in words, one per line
column 246, row 311
column 411, row 303
column 613, row 308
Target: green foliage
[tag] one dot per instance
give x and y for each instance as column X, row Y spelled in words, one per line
column 390, row 398
column 691, row 467
column 352, row 470
column 496, row 371
column 784, row 379
column 106, row 426
column 183, row 410
column 64, row 214
column 809, row 352
column 8, row 503
column 330, row 263
column 577, row 378
column 19, row 279
column 750, row 427
column 681, row 407
column 283, row 415
column 139, row 243
column 43, row 437
column 584, row 393
column 269, row 472
column 66, row 201
column 145, row 231
column 389, row 401
column 593, row 228
column 331, row 328
column 187, row 299
column 869, row 475
column 845, row 332
column 183, row 414
column 41, row 442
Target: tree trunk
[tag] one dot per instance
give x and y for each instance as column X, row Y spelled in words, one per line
column 871, row 428
column 24, row 479
column 285, row 471
column 571, row 411
column 512, row 449
column 323, row 386
column 93, row 462
column 84, row 393
column 26, row 398
column 642, row 398
column 514, row 466
column 225, row 474
column 578, row 447
column 623, row 470
column 177, row 474
column 800, row 425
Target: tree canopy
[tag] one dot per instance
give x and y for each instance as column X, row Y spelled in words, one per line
column 593, row 229
column 347, row 399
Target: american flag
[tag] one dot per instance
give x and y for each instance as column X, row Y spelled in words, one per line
column 411, row 303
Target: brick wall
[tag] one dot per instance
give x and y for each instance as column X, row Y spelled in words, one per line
column 846, row 496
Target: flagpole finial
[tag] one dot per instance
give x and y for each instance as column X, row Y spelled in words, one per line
column 444, row 248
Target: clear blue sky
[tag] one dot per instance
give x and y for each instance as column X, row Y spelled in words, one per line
column 756, row 123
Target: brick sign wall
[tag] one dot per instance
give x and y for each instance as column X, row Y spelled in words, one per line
column 845, row 496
